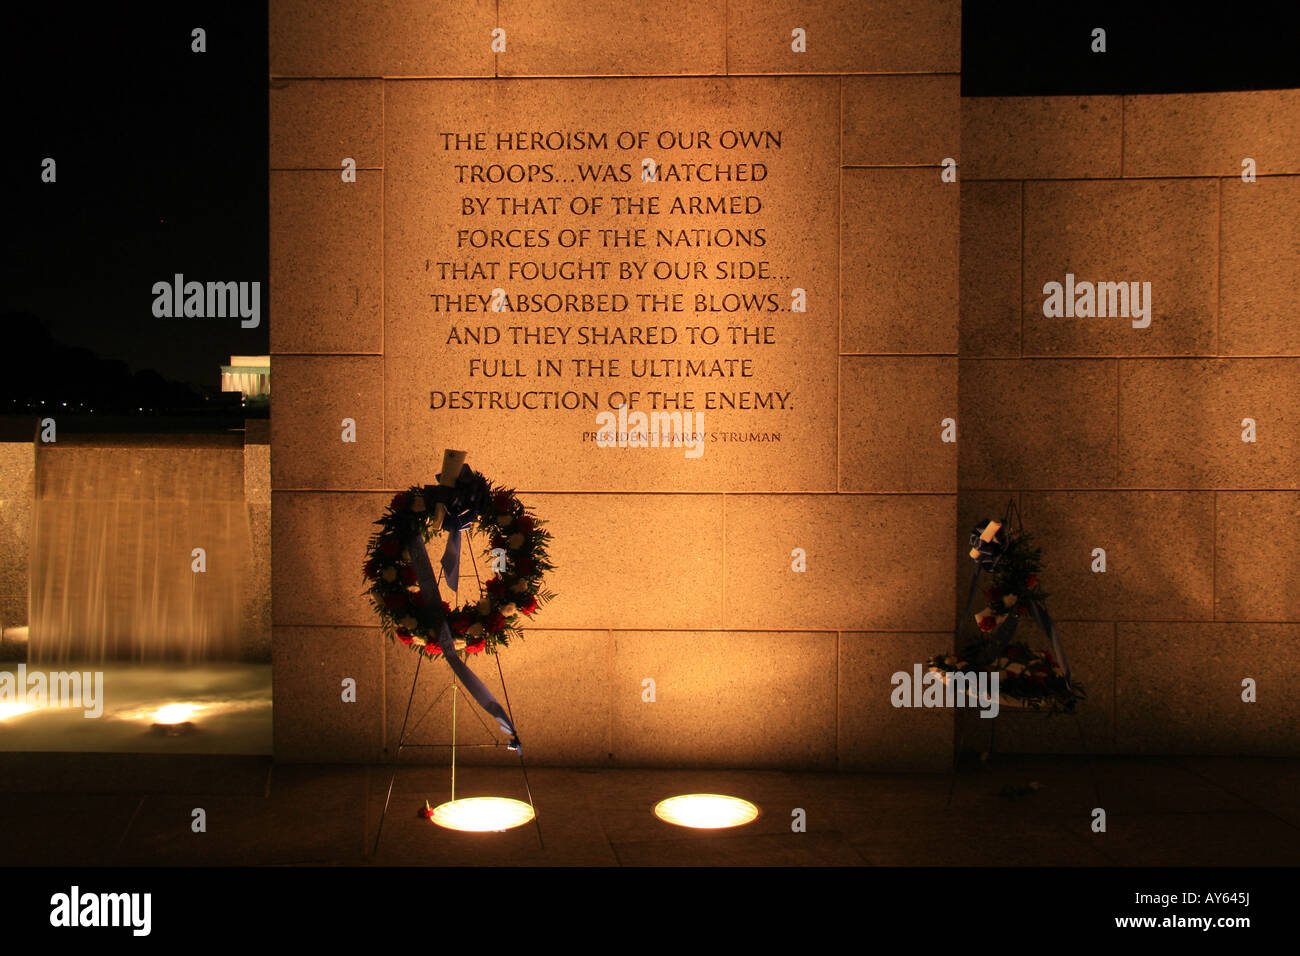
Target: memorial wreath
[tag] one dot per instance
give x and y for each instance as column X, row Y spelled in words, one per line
column 413, row 614
column 1029, row 677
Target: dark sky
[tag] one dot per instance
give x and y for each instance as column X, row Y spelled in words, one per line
column 161, row 152
column 1043, row 47
column 161, row 157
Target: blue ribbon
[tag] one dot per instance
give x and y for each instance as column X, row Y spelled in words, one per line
column 464, row 502
column 990, row 552
column 1044, row 622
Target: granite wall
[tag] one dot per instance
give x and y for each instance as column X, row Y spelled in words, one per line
column 668, row 568
column 17, row 495
column 256, row 611
column 1130, row 439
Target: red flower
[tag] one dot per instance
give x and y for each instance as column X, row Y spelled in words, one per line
column 1020, row 609
column 502, row 502
column 417, row 598
column 498, row 540
column 403, row 636
column 495, row 623
column 407, row 574
column 460, row 623
column 525, row 524
column 427, row 813
column 477, row 646
column 1031, row 582
column 432, row 649
column 530, row 606
column 496, row 587
column 395, row 600
column 993, row 594
column 987, row 623
column 401, row 501
column 372, row 569
column 390, row 545
column 525, row 565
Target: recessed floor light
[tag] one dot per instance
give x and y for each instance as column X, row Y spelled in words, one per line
column 706, row 811
column 174, row 713
column 482, row 814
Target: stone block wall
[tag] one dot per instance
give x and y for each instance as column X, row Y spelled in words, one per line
column 925, row 303
column 1130, row 439
column 17, row 496
column 668, row 568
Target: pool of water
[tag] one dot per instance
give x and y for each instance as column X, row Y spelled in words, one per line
column 209, row 708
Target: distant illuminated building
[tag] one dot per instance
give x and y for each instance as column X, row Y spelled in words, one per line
column 249, row 375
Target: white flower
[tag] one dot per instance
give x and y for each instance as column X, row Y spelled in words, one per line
column 417, row 504
column 476, row 629
column 505, row 520
column 508, row 609
column 485, row 605
column 390, row 575
column 515, row 541
column 520, row 585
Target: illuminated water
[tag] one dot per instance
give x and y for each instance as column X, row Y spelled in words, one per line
column 228, row 708
column 115, row 528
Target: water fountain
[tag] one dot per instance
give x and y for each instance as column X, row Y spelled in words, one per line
column 115, row 528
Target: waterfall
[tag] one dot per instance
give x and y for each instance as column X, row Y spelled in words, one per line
column 115, row 526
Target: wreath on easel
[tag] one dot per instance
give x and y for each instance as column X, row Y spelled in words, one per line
column 517, row 553
column 1027, row 677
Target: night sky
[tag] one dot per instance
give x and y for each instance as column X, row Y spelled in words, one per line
column 1042, row 48
column 161, row 157
column 161, row 152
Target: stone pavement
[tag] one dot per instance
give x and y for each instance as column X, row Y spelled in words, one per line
column 114, row 809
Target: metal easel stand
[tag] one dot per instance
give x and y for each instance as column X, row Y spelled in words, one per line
column 1011, row 510
column 402, row 743
column 988, row 755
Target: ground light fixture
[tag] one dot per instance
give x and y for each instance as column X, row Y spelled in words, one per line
column 169, row 720
column 482, row 814
column 706, row 811
column 174, row 713
column 173, row 720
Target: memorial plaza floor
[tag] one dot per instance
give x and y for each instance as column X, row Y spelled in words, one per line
column 131, row 809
